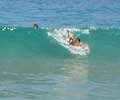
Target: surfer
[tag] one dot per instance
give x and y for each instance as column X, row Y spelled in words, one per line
column 73, row 41
column 35, row 26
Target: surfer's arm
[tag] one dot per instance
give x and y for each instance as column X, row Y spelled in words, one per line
column 71, row 40
column 68, row 35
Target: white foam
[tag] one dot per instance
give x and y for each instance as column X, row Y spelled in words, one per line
column 12, row 28
column 8, row 28
column 93, row 28
column 49, row 34
column 4, row 28
column 60, row 36
column 85, row 31
column 72, row 29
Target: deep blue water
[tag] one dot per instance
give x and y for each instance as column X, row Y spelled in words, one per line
column 58, row 13
column 35, row 65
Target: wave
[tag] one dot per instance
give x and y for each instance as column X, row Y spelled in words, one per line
column 46, row 41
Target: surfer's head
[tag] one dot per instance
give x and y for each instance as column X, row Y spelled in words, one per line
column 35, row 26
column 78, row 40
column 68, row 31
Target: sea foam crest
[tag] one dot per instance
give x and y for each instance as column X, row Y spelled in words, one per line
column 83, row 31
column 8, row 28
column 60, row 36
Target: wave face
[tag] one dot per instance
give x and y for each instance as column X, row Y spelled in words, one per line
column 47, row 42
column 28, row 42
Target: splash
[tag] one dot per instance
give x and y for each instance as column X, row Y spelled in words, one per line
column 8, row 28
column 60, row 36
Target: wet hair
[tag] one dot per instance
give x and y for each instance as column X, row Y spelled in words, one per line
column 35, row 26
column 78, row 39
column 68, row 31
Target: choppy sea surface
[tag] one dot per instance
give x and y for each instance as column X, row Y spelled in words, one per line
column 38, row 65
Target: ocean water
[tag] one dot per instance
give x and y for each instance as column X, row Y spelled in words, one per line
column 39, row 65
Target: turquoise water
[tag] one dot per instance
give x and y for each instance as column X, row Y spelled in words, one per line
column 34, row 65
